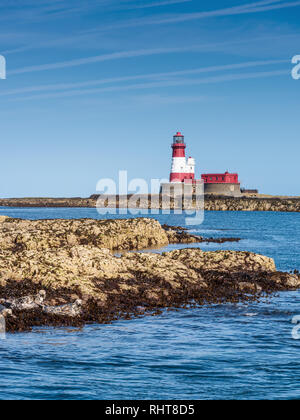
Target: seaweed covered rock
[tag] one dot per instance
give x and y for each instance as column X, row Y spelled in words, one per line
column 125, row 234
column 65, row 272
column 75, row 268
column 178, row 235
column 94, row 273
column 223, row 260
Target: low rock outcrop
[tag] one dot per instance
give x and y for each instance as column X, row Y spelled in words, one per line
column 180, row 235
column 211, row 202
column 43, row 235
column 217, row 203
column 223, row 260
column 66, row 273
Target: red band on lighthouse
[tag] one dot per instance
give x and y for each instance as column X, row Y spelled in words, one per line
column 178, row 150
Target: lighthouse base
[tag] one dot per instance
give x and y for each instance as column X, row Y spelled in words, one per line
column 228, row 189
column 174, row 189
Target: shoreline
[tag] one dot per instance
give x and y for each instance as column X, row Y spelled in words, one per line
column 144, row 202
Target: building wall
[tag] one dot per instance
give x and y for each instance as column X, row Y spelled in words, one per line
column 175, row 189
column 233, row 190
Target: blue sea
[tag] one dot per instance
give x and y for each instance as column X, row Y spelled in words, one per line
column 212, row 352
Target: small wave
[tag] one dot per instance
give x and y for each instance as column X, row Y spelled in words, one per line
column 207, row 230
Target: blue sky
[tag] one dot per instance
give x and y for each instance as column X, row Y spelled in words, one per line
column 98, row 86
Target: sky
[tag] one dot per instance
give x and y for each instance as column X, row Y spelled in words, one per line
column 98, row 86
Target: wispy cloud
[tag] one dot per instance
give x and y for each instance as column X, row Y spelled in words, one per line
column 131, row 54
column 83, row 38
column 151, row 99
column 162, row 84
column 29, row 10
column 156, row 4
column 100, row 58
column 32, row 9
column 257, row 7
column 162, row 75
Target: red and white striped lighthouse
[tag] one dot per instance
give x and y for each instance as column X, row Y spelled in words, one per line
column 182, row 170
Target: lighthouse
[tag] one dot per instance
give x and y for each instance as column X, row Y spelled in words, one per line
column 183, row 179
column 182, row 170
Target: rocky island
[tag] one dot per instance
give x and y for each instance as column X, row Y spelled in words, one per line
column 73, row 272
column 211, row 203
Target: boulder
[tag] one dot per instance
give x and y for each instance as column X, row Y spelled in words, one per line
column 286, row 280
